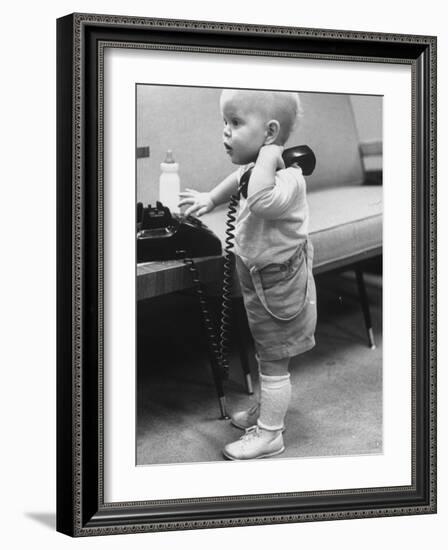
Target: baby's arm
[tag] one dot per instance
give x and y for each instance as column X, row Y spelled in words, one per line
column 269, row 160
column 270, row 195
column 201, row 203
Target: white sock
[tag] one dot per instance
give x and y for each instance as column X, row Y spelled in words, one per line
column 275, row 396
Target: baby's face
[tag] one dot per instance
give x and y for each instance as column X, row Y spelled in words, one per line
column 244, row 127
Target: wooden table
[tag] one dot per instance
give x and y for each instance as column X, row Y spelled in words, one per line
column 158, row 278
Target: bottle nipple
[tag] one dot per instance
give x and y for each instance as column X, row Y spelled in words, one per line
column 169, row 159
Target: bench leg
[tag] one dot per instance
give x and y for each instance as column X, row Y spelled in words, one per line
column 365, row 306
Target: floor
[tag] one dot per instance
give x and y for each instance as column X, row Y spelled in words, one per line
column 336, row 405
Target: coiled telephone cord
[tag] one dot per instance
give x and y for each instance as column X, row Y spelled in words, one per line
column 212, row 339
column 218, row 342
column 227, row 284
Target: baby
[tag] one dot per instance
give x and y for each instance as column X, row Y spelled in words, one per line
column 273, row 255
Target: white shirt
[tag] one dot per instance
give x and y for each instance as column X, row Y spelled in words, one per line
column 273, row 222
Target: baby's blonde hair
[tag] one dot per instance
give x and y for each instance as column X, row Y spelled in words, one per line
column 282, row 106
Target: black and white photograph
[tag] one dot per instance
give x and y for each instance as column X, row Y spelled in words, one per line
column 259, row 239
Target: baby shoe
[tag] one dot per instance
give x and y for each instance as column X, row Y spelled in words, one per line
column 246, row 419
column 255, row 443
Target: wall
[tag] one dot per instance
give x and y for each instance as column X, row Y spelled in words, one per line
column 368, row 112
column 27, row 233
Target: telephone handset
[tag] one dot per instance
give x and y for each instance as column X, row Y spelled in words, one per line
column 301, row 155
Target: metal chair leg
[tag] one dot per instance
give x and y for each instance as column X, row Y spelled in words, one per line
column 222, row 406
column 218, row 385
column 365, row 306
column 215, row 370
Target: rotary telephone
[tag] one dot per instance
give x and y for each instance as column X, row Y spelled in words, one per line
column 161, row 235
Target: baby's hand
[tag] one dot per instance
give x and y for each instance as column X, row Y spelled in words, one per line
column 201, row 203
column 272, row 154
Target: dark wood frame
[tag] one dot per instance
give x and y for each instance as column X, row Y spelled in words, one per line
column 81, row 510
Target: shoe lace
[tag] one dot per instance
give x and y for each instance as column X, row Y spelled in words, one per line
column 251, row 432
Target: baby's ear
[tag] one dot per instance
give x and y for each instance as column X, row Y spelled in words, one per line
column 272, row 132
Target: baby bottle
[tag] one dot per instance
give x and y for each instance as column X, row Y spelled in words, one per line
column 169, row 183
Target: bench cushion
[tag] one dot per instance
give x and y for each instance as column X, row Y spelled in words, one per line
column 345, row 224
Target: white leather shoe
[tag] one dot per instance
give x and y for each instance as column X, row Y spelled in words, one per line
column 255, row 443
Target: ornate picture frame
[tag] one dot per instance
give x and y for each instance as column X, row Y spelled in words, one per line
column 81, row 506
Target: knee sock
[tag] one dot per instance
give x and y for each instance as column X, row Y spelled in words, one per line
column 275, row 393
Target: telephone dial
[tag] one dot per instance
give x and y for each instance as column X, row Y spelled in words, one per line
column 161, row 234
